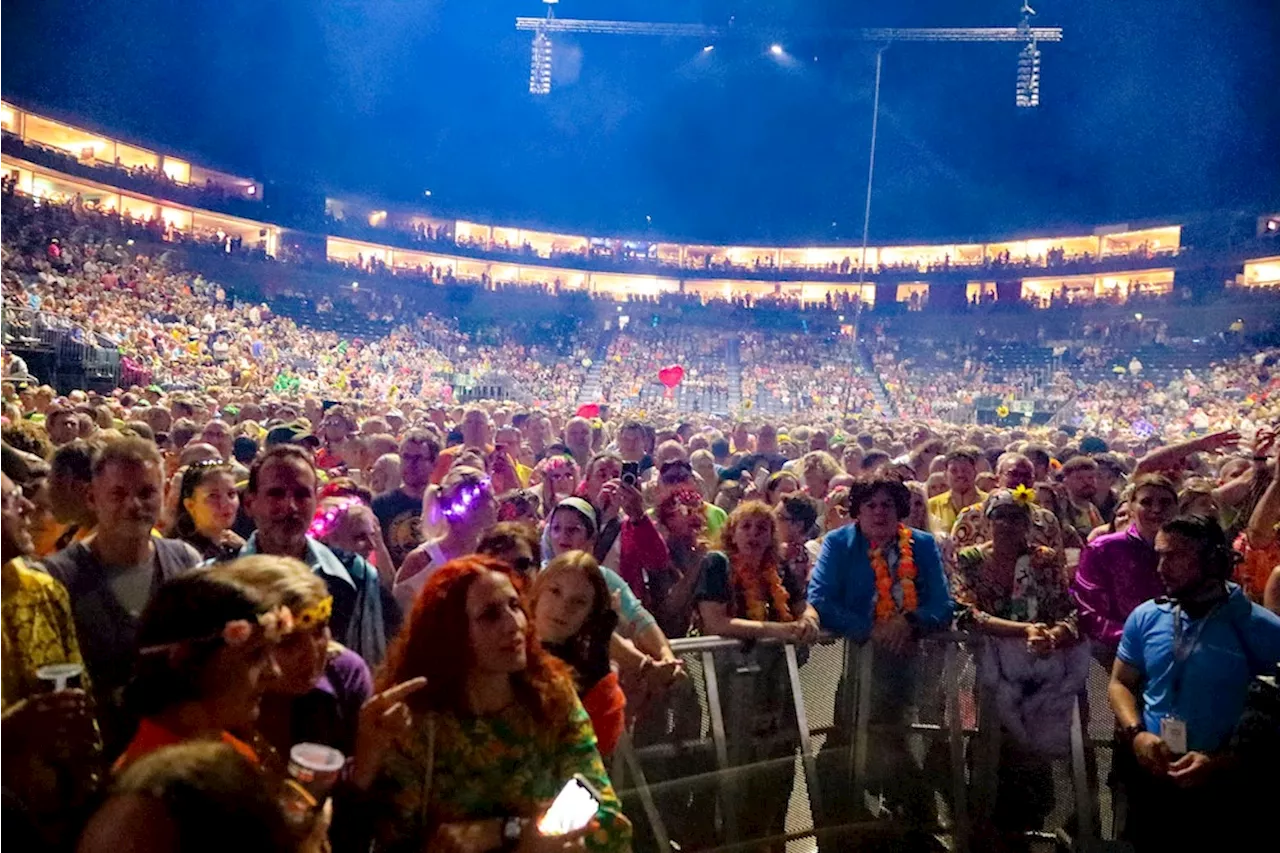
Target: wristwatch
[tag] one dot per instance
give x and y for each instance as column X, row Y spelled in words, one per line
column 1127, row 734
column 512, row 830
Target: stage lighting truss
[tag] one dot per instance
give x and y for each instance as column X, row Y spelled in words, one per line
column 1028, row 90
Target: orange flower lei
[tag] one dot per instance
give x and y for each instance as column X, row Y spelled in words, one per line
column 885, row 606
column 750, row 586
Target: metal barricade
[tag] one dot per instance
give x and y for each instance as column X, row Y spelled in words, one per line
column 811, row 775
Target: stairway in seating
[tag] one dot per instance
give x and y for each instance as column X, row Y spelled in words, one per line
column 591, row 386
column 877, row 386
column 733, row 370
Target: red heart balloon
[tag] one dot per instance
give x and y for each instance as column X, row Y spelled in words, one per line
column 588, row 410
column 671, row 376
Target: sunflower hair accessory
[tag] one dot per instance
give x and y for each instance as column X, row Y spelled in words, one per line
column 1024, row 495
column 315, row 615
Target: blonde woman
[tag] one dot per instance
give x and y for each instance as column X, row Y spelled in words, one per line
column 459, row 510
column 747, row 592
column 819, row 469
column 322, row 685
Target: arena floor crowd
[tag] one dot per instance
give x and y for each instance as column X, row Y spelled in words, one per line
column 299, row 518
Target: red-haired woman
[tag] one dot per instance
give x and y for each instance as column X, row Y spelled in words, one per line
column 747, row 592
column 498, row 730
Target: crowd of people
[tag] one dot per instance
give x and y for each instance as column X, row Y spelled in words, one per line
column 289, row 543
column 471, row 605
column 635, row 357
column 791, row 374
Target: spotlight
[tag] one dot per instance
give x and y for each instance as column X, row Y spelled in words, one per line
column 540, row 65
column 709, row 48
column 776, row 49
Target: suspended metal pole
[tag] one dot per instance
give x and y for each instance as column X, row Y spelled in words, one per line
column 866, row 213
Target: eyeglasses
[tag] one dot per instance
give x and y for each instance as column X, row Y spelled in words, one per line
column 522, row 564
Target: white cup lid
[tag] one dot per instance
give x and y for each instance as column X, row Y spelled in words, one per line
column 317, row 757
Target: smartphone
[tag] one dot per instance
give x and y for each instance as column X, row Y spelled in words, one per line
column 630, row 473
column 574, row 807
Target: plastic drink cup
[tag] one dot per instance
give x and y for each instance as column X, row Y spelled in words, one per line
column 60, row 674
column 315, row 767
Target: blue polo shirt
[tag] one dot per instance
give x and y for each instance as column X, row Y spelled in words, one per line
column 1216, row 671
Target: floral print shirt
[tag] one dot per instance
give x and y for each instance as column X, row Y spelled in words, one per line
column 493, row 766
column 38, row 630
column 1039, row 592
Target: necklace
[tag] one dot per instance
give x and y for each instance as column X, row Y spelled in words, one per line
column 886, row 607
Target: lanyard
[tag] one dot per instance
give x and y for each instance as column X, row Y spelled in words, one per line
column 1182, row 650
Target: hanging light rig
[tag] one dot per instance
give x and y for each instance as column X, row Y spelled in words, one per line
column 540, row 59
column 1028, row 69
column 1027, row 93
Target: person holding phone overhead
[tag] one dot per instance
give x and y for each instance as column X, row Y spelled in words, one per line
column 497, row 731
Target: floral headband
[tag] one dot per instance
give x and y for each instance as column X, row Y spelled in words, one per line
column 465, row 498
column 273, row 625
column 327, row 519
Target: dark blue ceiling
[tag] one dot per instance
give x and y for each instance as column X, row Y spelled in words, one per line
column 1149, row 110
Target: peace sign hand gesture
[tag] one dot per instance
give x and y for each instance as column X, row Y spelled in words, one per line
column 383, row 718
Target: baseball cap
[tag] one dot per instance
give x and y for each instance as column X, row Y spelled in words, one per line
column 291, row 433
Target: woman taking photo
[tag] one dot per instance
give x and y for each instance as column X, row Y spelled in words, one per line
column 574, row 620
column 798, row 525
column 208, row 501
column 498, row 729
column 460, row 509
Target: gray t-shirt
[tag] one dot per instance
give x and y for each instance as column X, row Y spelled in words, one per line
column 106, row 606
column 132, row 586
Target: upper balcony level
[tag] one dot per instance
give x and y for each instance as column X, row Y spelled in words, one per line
column 1108, row 249
column 60, row 160
column 77, row 150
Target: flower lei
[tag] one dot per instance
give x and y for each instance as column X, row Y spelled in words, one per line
column 886, row 608
column 750, row 587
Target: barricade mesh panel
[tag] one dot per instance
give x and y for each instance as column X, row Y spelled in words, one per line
column 729, row 784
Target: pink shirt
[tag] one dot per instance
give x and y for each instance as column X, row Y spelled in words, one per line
column 1117, row 572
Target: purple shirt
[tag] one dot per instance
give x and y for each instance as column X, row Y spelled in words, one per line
column 330, row 711
column 1117, row 572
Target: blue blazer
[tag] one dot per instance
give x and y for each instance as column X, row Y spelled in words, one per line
column 842, row 587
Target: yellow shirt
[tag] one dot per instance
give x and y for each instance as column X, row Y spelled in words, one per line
column 943, row 513
column 37, row 630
